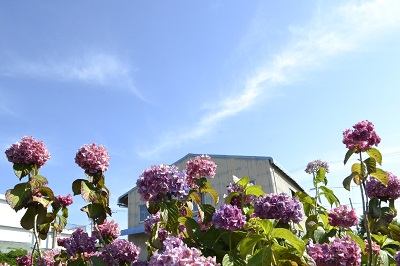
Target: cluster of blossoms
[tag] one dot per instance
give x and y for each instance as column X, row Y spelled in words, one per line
column 199, row 167
column 362, row 137
column 122, row 251
column 65, row 201
column 149, row 222
column 48, row 257
column 159, row 182
column 228, row 217
column 177, row 253
column 375, row 188
column 278, row 207
column 342, row 216
column 24, row 260
column 397, row 258
column 375, row 247
column 340, row 252
column 237, row 200
column 28, row 151
column 313, row 167
column 92, row 158
column 109, row 231
column 79, row 242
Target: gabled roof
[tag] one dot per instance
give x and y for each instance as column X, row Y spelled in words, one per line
column 123, row 199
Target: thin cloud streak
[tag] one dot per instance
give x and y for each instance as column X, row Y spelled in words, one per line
column 347, row 28
column 100, row 69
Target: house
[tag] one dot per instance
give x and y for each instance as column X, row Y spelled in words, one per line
column 13, row 235
column 263, row 171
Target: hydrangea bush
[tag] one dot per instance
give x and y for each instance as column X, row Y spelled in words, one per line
column 247, row 228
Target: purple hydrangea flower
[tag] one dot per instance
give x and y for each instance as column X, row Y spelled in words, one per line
column 122, row 251
column 161, row 182
column 65, row 201
column 79, row 242
column 149, row 222
column 397, row 258
column 199, row 167
column 177, row 253
column 24, row 260
column 342, row 216
column 92, row 158
column 313, row 167
column 279, row 207
column 375, row 188
column 229, row 217
column 361, row 137
column 108, row 230
column 28, row 151
column 340, row 252
column 237, row 200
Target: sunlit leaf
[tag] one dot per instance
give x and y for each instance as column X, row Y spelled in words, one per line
column 94, row 210
column 247, row 245
column 89, row 192
column 381, row 176
column 347, row 181
column 208, row 212
column 19, row 196
column 320, row 177
column 76, row 186
column 286, row 234
column 38, row 181
column 330, row 196
column 254, row 190
column 262, row 257
column 21, row 170
column 348, row 155
column 371, row 164
column 213, row 193
column 376, row 154
column 243, row 181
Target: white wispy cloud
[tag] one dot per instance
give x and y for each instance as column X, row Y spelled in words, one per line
column 332, row 33
column 99, row 69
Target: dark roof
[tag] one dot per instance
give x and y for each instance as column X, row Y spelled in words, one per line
column 123, row 199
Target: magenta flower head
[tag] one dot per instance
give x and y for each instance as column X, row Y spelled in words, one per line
column 375, row 247
column 375, row 188
column 362, row 137
column 65, row 201
column 92, row 158
column 48, row 257
column 109, row 231
column 201, row 166
column 24, row 260
column 342, row 216
column 79, row 242
column 228, row 217
column 278, row 207
column 162, row 183
column 313, row 167
column 28, row 151
column 340, row 252
column 123, row 252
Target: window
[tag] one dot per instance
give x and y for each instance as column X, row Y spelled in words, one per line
column 143, row 213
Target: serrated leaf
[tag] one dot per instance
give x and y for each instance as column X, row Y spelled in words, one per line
column 38, row 181
column 266, row 225
column 254, row 190
column 76, row 186
column 19, row 196
column 213, row 193
column 381, row 176
column 286, row 234
column 261, row 258
column 376, row 154
column 348, row 155
column 247, row 245
column 356, row 167
column 88, row 191
column 21, row 170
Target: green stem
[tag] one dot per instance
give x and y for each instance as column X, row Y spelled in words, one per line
column 37, row 240
column 104, row 243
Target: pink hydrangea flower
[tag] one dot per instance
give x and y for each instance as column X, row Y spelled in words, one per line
column 92, row 158
column 109, row 230
column 342, row 216
column 340, row 252
column 201, row 166
column 313, row 167
column 28, row 151
column 375, row 188
column 361, row 137
column 375, row 247
column 24, row 260
column 48, row 257
column 228, row 217
column 123, row 252
column 65, row 201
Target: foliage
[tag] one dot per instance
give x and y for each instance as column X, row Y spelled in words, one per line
column 10, row 256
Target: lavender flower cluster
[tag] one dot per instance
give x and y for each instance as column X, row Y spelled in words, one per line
column 199, row 167
column 397, row 258
column 340, row 252
column 313, row 167
column 228, row 217
column 342, row 216
column 123, row 252
column 48, row 257
column 362, row 137
column 92, row 158
column 279, row 207
column 177, row 253
column 149, row 222
column 159, row 182
column 28, row 151
column 65, row 201
column 108, row 230
column 237, row 200
column 79, row 242
column 375, row 188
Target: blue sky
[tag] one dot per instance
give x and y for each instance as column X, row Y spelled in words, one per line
column 155, row 80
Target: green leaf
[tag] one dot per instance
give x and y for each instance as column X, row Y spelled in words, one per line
column 371, row 164
column 290, row 238
column 348, row 155
column 21, row 170
column 62, row 222
column 376, row 154
column 266, row 225
column 97, row 261
column 152, row 207
column 169, row 213
column 319, row 234
column 347, row 181
column 213, row 193
column 192, row 227
column 231, row 260
column 356, row 167
column 247, row 245
column 235, row 179
column 195, row 197
column 94, row 210
column 320, row 177
column 19, row 196
column 381, row 176
column 261, row 258
column 330, row 196
column 243, row 181
column 383, row 255
column 76, row 186
column 89, row 193
column 28, row 220
column 38, row 181
column 254, row 190
column 374, row 208
column 64, row 212
column 207, row 212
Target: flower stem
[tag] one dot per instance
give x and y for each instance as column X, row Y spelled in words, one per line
column 104, row 243
column 37, row 240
